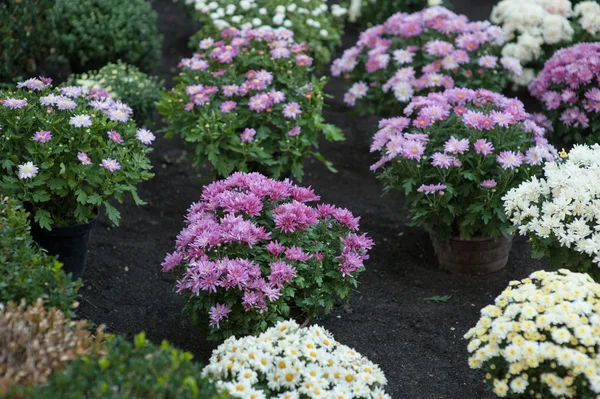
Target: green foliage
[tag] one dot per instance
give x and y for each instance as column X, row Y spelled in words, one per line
column 64, row 191
column 26, row 273
column 92, row 33
column 24, row 37
column 439, row 299
column 137, row 370
column 312, row 22
column 126, row 83
column 216, row 134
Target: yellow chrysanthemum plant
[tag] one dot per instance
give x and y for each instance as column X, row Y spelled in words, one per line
column 541, row 337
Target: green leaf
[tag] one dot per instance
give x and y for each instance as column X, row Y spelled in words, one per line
column 40, row 195
column 333, row 133
column 112, row 213
column 439, row 299
column 325, row 162
column 43, row 219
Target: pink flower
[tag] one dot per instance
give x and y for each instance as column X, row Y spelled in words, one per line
column 456, row 146
column 145, row 136
column 488, row 61
column 276, row 96
column 510, row 159
column 491, row 183
column 291, row 110
column 247, row 135
column 110, row 164
column 431, row 188
column 217, row 313
column 303, row 60
column 14, row 103
column 259, row 102
column 81, row 121
column 484, row 147
column 442, row 160
column 84, row 158
column 275, row 248
column 42, row 136
column 114, row 136
column 228, row 106
column 230, row 90
column 295, row 131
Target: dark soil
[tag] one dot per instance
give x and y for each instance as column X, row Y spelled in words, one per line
column 417, row 343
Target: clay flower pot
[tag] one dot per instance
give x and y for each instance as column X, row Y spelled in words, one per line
column 479, row 255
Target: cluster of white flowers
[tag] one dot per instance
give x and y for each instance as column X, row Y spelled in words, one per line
column 249, row 14
column 564, row 204
column 355, row 9
column 530, row 24
column 540, row 338
column 289, row 362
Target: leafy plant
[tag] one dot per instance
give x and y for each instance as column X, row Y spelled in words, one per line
column 255, row 252
column 431, row 50
column 125, row 370
column 455, row 158
column 36, row 341
column 375, row 12
column 439, row 299
column 92, row 33
column 24, row 37
column 126, row 83
column 248, row 103
column 65, row 153
column 26, row 273
column 312, row 21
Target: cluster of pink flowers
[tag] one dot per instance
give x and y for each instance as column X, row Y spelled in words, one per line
column 237, row 213
column 451, row 47
column 568, row 84
column 478, row 110
column 214, row 57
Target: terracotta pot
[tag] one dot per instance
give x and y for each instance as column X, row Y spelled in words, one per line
column 478, row 255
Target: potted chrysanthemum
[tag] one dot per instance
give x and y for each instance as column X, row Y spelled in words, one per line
column 540, row 338
column 65, row 153
column 288, row 361
column 559, row 211
column 247, row 102
column 535, row 30
column 413, row 54
column 454, row 158
column 255, row 250
column 568, row 89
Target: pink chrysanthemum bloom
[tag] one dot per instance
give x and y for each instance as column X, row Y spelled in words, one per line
column 295, row 131
column 84, row 158
column 483, row 147
column 490, row 183
column 110, row 164
column 510, row 159
column 228, row 106
column 114, row 136
column 292, row 110
column 14, row 103
column 145, row 136
column 64, row 103
column 42, row 136
column 33, row 84
column 217, row 313
column 247, row 135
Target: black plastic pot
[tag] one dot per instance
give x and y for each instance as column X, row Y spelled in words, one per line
column 69, row 244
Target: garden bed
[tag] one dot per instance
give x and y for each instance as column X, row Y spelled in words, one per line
column 417, row 343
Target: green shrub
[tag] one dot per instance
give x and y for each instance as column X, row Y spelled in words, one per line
column 92, row 33
column 25, row 272
column 375, row 12
column 24, row 40
column 138, row 370
column 126, row 83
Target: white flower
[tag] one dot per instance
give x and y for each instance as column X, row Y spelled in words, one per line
column 27, row 170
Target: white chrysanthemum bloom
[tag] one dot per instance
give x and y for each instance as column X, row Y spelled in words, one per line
column 28, row 170
column 546, row 329
column 293, row 361
column 563, row 205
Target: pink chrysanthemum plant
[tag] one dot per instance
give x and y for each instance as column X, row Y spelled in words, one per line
column 456, row 155
column 568, row 89
column 256, row 251
column 248, row 102
column 66, row 152
column 413, row 54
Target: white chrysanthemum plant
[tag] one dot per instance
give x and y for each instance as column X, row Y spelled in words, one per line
column 535, row 29
column 540, row 338
column 560, row 211
column 313, row 22
column 290, row 362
